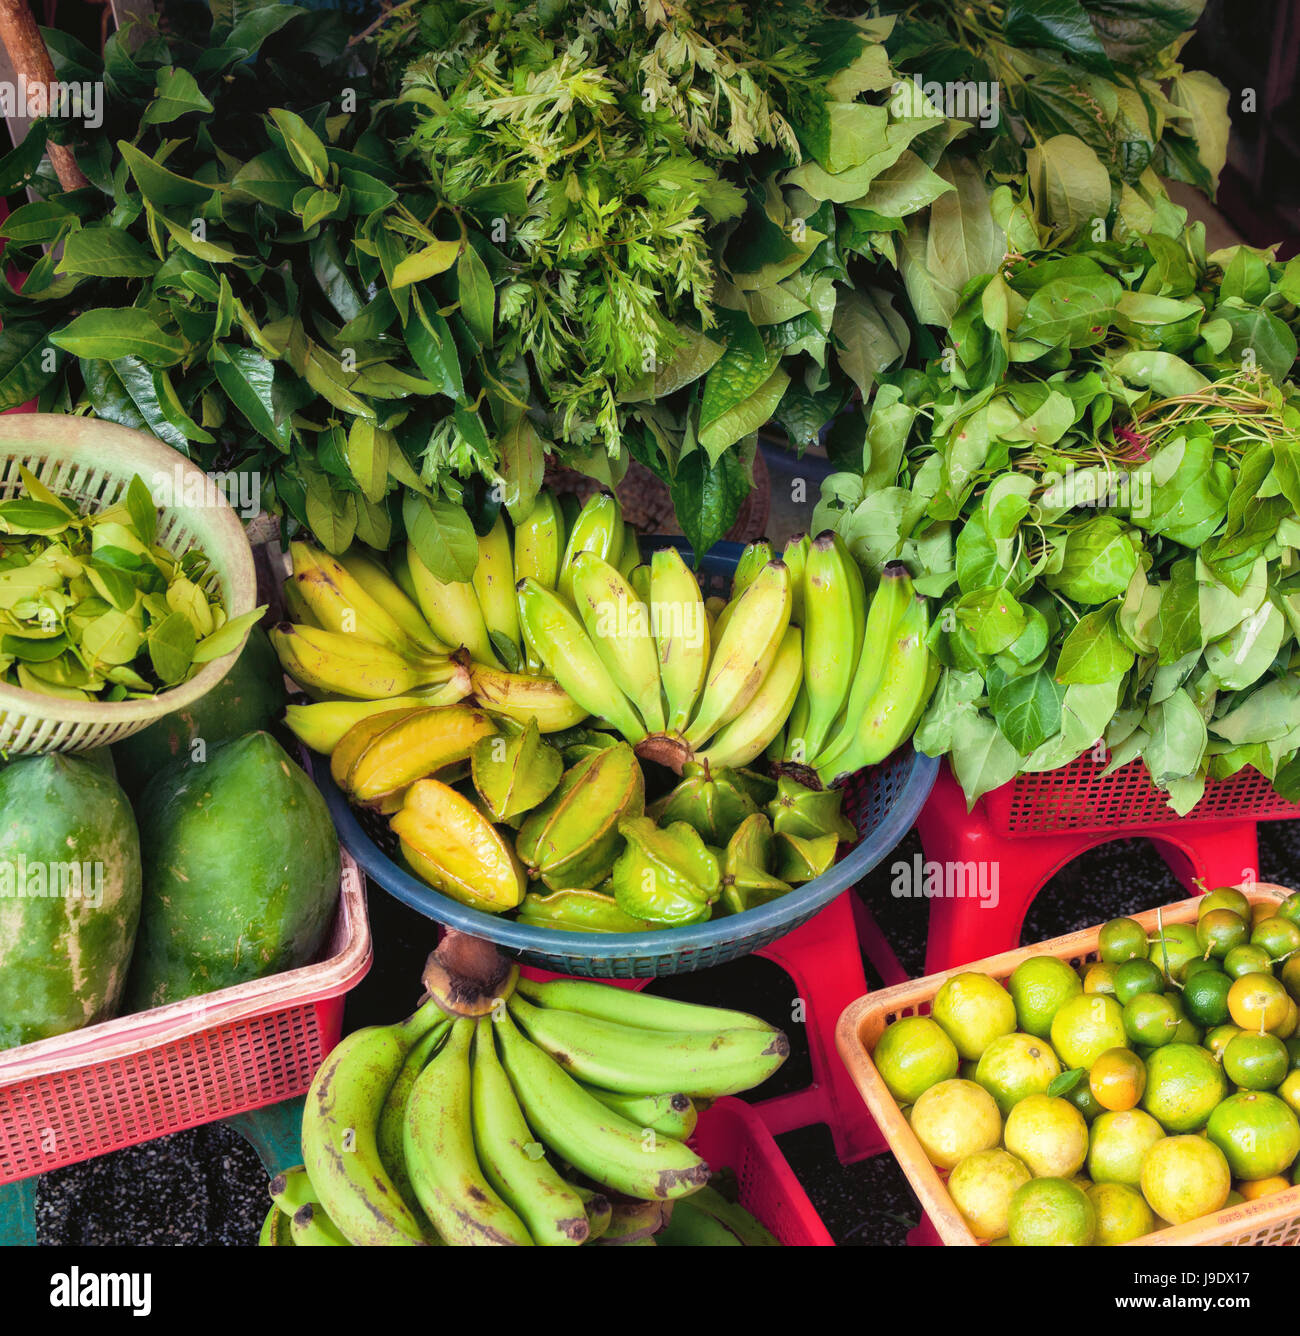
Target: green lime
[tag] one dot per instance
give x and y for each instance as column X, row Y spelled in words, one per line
column 1258, row 1134
column 1038, row 986
column 1293, row 1049
column 1081, row 1096
column 1016, row 1065
column 1134, row 977
column 1151, row 1019
column 1256, row 1062
column 1220, row 930
column 1116, row 1144
column 1205, row 997
column 1122, row 1213
column 1122, row 939
column 1225, row 897
column 1184, row 1083
column 1199, row 966
column 1188, row 1031
column 1099, row 977
column 1277, row 936
column 1219, row 1038
column 1172, row 950
column 1051, row 1211
column 1290, row 976
column 1290, row 908
column 1247, row 959
column 912, row 1055
column 1085, row 1027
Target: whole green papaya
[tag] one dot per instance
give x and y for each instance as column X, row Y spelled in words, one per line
column 69, row 896
column 249, row 697
column 241, row 872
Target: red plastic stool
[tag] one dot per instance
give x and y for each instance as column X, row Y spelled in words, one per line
column 1030, row 837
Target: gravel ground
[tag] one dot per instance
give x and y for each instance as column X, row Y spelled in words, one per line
column 208, row 1187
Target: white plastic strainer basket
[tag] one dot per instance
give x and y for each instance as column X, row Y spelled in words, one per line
column 91, row 464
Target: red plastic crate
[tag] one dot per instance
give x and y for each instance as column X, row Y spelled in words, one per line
column 129, row 1080
column 1081, row 797
column 731, row 1135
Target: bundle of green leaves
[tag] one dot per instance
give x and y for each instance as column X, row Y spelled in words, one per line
column 1099, row 484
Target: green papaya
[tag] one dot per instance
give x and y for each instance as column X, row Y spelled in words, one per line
column 249, row 697
column 69, row 896
column 241, row 872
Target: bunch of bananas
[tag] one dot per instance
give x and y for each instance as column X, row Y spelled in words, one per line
column 868, row 672
column 533, row 1116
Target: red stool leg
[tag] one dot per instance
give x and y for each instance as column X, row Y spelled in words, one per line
column 875, row 945
column 824, row 963
column 1215, row 853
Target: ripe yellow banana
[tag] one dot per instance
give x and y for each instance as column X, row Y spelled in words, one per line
column 338, row 602
column 384, row 589
column 523, row 697
column 571, row 658
column 893, row 707
column 539, row 546
column 599, row 529
column 440, row 1157
column 451, row 609
column 739, row 742
column 321, row 726
column 681, row 634
column 832, row 598
column 335, row 664
column 294, row 605
column 744, row 653
column 894, row 595
column 618, row 624
column 494, row 583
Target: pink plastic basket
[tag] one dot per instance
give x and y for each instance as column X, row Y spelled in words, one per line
column 130, row 1080
column 731, row 1135
column 1080, row 797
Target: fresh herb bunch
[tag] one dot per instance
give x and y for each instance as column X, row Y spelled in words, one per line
column 1091, row 95
column 1100, row 484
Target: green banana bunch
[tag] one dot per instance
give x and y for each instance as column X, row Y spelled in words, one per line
column 834, row 616
column 494, row 588
column 385, row 590
column 539, row 547
column 340, row 1132
column 597, row 528
column 707, row 1219
column 681, row 632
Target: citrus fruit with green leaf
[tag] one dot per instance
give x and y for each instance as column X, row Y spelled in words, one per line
column 1122, row 939
column 1085, row 1027
column 1122, row 1213
column 974, row 1010
column 1117, row 1142
column 1048, row 1134
column 1258, row 1133
column 955, row 1119
column 1117, row 1079
column 1184, row 1083
column 1184, row 1178
column 1051, row 1212
column 1038, row 987
column 1016, row 1065
column 1255, row 1061
column 913, row 1054
column 981, row 1188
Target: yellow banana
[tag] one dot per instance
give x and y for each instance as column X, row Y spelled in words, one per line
column 752, row 560
column 619, row 626
column 523, row 697
column 598, row 529
column 793, row 747
column 744, row 652
column 572, row 660
column 539, row 546
column 746, row 737
column 338, row 602
column 631, row 553
column 832, row 634
column 295, row 606
column 451, row 609
column 681, row 634
column 336, row 664
column 322, row 726
column 385, row 590
column 494, row 583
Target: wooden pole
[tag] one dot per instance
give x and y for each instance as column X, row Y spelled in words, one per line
column 32, row 63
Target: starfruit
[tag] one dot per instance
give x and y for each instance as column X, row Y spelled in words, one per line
column 454, row 846
column 761, row 788
column 809, row 813
column 578, row 911
column 709, row 800
column 572, row 839
column 358, row 738
column 415, row 747
column 747, row 880
column 514, row 774
column 665, row 875
column 799, row 859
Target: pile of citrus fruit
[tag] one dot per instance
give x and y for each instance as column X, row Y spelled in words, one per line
column 1150, row 1087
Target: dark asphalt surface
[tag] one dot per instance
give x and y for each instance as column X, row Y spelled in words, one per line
column 208, row 1187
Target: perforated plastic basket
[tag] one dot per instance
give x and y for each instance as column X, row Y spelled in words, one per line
column 1271, row 1220
column 731, row 1135
column 1081, row 797
column 130, row 1080
column 91, row 463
